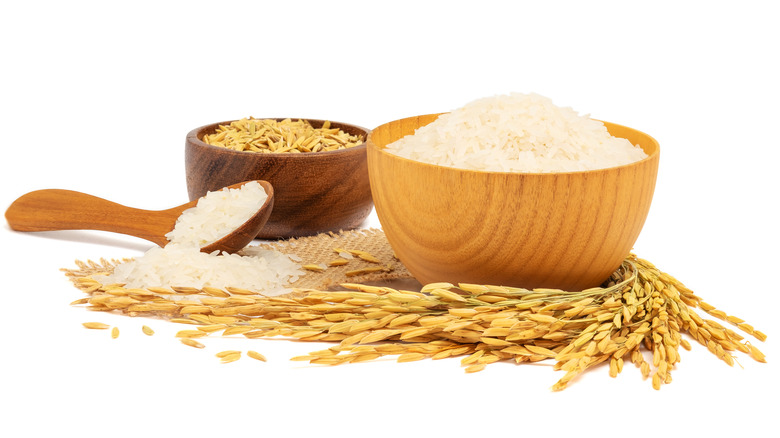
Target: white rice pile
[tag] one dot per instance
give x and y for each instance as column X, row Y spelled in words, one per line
column 516, row 133
column 266, row 271
column 181, row 263
column 217, row 214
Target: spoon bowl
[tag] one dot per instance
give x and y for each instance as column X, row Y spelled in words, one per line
column 57, row 209
column 245, row 233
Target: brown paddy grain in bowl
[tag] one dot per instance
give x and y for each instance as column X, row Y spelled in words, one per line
column 561, row 230
column 281, row 136
column 314, row 192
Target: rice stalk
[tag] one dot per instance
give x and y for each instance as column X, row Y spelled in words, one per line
column 639, row 309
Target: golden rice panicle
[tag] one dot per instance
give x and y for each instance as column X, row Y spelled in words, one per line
column 756, row 354
column 739, row 322
column 640, row 310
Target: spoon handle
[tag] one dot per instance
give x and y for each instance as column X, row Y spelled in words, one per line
column 56, row 209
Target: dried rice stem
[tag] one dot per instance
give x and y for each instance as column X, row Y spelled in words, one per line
column 639, row 308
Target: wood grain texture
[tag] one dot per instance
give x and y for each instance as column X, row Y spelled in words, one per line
column 315, row 192
column 559, row 230
column 57, row 209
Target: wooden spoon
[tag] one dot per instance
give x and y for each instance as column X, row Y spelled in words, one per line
column 55, row 209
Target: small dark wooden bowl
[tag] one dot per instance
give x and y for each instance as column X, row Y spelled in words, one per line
column 314, row 192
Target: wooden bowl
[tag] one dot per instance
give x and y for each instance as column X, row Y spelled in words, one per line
column 314, row 192
column 556, row 230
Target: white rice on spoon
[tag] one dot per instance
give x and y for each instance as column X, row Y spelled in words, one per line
column 181, row 263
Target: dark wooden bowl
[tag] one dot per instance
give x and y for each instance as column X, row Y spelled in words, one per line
column 314, row 192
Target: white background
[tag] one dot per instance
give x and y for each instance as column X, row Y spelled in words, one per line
column 98, row 97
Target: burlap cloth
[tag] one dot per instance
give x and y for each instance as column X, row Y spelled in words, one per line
column 319, row 249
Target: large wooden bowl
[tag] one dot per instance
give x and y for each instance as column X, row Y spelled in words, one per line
column 314, row 192
column 557, row 230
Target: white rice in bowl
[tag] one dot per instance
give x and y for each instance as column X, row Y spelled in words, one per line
column 516, row 133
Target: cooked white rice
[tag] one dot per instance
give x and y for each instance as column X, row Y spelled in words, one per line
column 181, row 263
column 516, row 133
column 217, row 214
